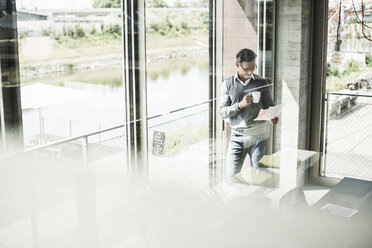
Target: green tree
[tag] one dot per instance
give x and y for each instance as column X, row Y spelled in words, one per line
column 156, row 4
column 178, row 4
column 199, row 3
column 106, row 4
column 352, row 66
column 369, row 59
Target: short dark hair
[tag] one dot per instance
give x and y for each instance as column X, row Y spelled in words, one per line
column 246, row 55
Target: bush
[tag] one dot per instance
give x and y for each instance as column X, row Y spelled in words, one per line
column 156, row 4
column 332, row 71
column 352, row 66
column 184, row 25
column 180, row 140
column 45, row 32
column 79, row 32
column 56, row 36
column 106, row 4
column 93, row 31
column 68, row 67
column 70, row 32
column 369, row 59
column 113, row 30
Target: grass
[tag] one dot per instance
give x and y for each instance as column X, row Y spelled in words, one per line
column 66, row 48
column 166, row 33
column 335, row 83
column 108, row 76
column 69, row 48
column 179, row 140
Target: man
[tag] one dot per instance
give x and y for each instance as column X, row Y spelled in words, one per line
column 247, row 136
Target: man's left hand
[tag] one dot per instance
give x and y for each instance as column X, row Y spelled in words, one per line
column 274, row 121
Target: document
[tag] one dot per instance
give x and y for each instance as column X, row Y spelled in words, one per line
column 339, row 210
column 270, row 113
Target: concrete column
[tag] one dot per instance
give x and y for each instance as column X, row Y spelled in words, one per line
column 292, row 66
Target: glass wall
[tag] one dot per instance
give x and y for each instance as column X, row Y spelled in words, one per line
column 70, row 57
column 80, row 192
column 249, row 24
column 177, row 91
column 348, row 88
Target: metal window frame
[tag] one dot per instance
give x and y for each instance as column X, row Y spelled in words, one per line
column 318, row 51
column 10, row 100
column 216, row 165
column 134, row 40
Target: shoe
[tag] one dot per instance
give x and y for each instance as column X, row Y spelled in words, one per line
column 259, row 166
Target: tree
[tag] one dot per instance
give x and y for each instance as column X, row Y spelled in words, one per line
column 156, row 4
column 178, row 4
column 199, row 3
column 107, row 4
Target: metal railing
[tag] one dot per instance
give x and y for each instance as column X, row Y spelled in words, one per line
column 69, row 182
column 348, row 135
column 163, row 122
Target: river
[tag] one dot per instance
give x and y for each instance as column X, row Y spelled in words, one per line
column 99, row 101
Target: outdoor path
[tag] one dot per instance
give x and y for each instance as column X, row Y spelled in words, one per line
column 349, row 143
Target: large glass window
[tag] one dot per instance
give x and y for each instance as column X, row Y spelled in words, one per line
column 248, row 24
column 348, row 136
column 80, row 192
column 70, row 56
column 177, row 91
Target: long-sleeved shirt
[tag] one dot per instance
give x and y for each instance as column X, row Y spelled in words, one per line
column 241, row 120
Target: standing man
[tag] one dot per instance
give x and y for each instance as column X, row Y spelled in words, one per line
column 247, row 136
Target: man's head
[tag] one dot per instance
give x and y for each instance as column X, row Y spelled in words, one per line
column 246, row 63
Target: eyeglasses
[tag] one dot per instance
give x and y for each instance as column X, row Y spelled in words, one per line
column 249, row 69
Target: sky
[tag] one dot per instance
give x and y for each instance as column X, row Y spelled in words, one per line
column 54, row 4
column 61, row 4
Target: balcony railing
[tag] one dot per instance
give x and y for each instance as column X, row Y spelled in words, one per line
column 348, row 135
column 183, row 126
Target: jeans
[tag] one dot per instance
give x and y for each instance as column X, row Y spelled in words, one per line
column 239, row 146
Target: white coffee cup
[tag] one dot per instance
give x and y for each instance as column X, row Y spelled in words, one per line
column 256, row 96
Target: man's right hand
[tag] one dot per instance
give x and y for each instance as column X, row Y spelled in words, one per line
column 247, row 99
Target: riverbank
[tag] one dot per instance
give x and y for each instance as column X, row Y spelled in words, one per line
column 100, row 62
column 44, row 55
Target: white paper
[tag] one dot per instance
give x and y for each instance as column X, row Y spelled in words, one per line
column 270, row 113
column 339, row 210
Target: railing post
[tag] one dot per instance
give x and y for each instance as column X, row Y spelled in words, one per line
column 42, row 127
column 99, row 135
column 323, row 169
column 84, row 150
column 70, row 123
column 86, row 202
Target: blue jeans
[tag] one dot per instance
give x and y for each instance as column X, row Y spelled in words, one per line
column 239, row 146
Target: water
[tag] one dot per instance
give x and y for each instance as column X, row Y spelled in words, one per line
column 171, row 84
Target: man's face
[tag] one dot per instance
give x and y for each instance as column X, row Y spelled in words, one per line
column 246, row 69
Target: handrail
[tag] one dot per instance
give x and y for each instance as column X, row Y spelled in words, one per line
column 349, row 94
column 180, row 109
column 32, row 149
